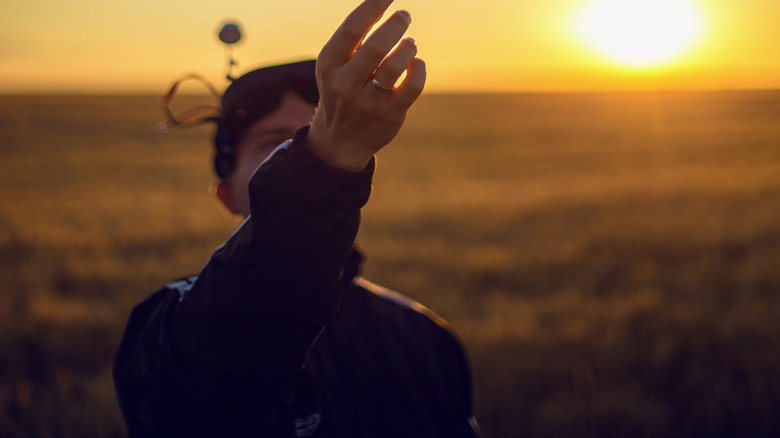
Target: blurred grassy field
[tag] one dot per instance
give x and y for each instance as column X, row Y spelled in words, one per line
column 611, row 261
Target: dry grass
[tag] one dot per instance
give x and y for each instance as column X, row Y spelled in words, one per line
column 610, row 260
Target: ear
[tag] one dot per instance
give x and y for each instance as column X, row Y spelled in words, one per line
column 227, row 195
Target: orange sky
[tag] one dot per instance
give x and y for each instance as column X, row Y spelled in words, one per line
column 94, row 46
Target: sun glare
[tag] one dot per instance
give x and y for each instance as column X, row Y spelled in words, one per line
column 639, row 33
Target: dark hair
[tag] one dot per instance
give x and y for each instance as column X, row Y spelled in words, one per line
column 252, row 97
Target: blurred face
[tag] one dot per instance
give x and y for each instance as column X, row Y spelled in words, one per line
column 260, row 140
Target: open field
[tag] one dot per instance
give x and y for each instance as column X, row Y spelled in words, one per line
column 611, row 261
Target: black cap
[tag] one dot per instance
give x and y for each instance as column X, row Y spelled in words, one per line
column 252, row 97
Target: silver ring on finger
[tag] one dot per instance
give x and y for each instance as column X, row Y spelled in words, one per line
column 379, row 86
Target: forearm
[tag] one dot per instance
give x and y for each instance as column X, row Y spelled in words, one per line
column 264, row 296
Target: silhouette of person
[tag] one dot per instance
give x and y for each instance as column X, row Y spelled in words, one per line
column 278, row 335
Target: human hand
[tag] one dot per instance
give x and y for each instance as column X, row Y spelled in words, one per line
column 356, row 118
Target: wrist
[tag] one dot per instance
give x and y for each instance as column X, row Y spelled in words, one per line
column 337, row 154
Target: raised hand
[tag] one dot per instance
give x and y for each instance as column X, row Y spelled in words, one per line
column 360, row 109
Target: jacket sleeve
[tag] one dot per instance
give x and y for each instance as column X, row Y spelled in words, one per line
column 228, row 350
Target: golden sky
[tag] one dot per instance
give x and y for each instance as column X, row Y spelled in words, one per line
column 94, row 46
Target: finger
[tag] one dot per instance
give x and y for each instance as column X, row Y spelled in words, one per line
column 371, row 53
column 412, row 86
column 394, row 65
column 347, row 37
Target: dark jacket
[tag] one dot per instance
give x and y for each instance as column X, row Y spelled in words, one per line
column 279, row 336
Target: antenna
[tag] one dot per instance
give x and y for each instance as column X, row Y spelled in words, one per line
column 230, row 34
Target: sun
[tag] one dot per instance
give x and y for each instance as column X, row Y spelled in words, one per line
column 639, row 33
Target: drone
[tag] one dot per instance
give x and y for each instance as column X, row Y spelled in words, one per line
column 229, row 34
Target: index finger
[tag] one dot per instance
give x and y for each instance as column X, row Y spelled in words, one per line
column 348, row 36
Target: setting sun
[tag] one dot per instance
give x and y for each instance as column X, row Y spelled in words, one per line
column 639, row 33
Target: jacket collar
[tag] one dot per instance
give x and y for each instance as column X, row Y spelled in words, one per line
column 354, row 265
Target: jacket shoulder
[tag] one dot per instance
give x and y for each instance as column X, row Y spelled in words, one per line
column 402, row 302
column 393, row 312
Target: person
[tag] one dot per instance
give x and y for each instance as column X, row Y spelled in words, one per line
column 278, row 335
